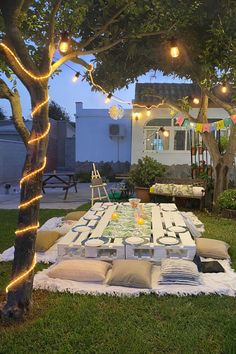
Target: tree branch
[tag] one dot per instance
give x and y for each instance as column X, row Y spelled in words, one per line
column 84, row 44
column 79, row 52
column 14, row 99
column 49, row 49
column 11, row 13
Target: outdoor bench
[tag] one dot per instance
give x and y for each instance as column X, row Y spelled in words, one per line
column 180, row 188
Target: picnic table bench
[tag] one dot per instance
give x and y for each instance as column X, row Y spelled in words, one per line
column 64, row 180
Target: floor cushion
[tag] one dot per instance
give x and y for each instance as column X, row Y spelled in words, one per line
column 131, row 273
column 75, row 215
column 210, row 248
column 179, row 271
column 212, row 267
column 45, row 240
column 84, row 270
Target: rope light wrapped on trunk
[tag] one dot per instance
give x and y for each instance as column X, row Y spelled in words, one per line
column 19, row 232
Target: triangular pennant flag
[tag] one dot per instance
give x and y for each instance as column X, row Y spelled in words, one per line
column 206, row 128
column 233, row 118
column 220, row 124
column 186, row 123
column 228, row 122
column 179, row 120
column 199, row 127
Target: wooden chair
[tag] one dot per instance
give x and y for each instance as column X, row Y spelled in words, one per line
column 97, row 187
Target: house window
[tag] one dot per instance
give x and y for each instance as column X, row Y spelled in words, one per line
column 156, row 141
column 178, row 138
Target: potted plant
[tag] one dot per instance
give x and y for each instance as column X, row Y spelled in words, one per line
column 193, row 150
column 227, row 203
column 142, row 176
column 194, row 168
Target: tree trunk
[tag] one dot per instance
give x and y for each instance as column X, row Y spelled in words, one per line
column 19, row 296
column 220, row 179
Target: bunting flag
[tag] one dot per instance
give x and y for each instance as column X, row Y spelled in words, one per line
column 233, row 117
column 179, row 120
column 205, row 127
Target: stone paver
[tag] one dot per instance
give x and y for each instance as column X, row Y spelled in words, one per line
column 53, row 199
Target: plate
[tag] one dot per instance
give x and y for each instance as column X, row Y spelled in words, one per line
column 168, row 240
column 81, row 228
column 91, row 217
column 177, row 229
column 97, row 209
column 94, row 242
column 168, row 208
column 133, row 240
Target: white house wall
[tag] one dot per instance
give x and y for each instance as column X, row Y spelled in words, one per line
column 93, row 142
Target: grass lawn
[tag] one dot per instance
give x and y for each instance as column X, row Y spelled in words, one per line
column 66, row 323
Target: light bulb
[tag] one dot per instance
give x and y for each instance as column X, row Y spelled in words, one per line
column 76, row 77
column 148, row 112
column 108, row 98
column 174, row 50
column 196, row 100
column 224, row 88
column 166, row 133
column 64, row 44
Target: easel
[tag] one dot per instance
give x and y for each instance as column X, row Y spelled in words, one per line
column 96, row 185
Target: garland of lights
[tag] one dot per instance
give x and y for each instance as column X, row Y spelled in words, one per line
column 26, row 177
column 43, row 135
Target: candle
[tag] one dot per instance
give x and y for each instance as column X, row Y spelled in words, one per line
column 140, row 221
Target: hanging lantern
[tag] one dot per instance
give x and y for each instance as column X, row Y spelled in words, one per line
column 116, row 112
column 64, row 44
column 174, row 50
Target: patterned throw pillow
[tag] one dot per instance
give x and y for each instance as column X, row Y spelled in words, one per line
column 164, row 189
column 183, row 190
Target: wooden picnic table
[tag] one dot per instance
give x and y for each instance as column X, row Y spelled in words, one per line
column 64, row 180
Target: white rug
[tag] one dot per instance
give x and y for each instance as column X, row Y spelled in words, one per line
column 220, row 283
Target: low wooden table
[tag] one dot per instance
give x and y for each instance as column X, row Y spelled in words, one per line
column 64, row 180
column 73, row 243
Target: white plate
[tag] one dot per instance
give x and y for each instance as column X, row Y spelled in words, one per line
column 93, row 242
column 97, row 209
column 134, row 240
column 168, row 240
column 91, row 217
column 177, row 229
column 81, row 228
column 168, row 208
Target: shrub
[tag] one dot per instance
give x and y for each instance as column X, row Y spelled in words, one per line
column 143, row 173
column 227, row 199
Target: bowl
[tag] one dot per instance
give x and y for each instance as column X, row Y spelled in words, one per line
column 134, row 202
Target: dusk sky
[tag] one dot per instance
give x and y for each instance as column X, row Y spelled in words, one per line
column 66, row 93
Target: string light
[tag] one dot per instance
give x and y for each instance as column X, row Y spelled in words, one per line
column 42, row 136
column 196, row 100
column 224, row 88
column 33, row 173
column 76, row 76
column 22, row 276
column 29, row 73
column 174, row 50
column 64, row 43
column 39, row 106
column 26, row 229
column 108, row 98
column 31, row 201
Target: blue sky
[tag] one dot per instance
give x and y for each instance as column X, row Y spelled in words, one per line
column 66, row 93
